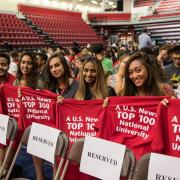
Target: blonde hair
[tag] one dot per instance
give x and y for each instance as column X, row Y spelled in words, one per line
column 99, row 89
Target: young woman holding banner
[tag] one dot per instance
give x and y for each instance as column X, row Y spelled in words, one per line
column 141, row 77
column 26, row 76
column 58, row 80
column 92, row 83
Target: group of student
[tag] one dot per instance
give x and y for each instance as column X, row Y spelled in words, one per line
column 138, row 74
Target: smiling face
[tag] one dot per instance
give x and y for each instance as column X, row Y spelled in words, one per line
column 3, row 66
column 26, row 65
column 56, row 67
column 138, row 73
column 89, row 73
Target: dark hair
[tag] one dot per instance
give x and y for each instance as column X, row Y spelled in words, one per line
column 75, row 49
column 166, row 47
column 144, row 30
column 147, row 50
column 97, row 48
column 52, row 81
column 175, row 49
column 151, row 86
column 6, row 56
column 43, row 56
column 14, row 54
column 32, row 82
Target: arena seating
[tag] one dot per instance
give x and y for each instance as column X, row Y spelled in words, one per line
column 63, row 27
column 140, row 3
column 155, row 16
column 162, row 32
column 166, row 6
column 17, row 34
column 165, row 9
column 109, row 17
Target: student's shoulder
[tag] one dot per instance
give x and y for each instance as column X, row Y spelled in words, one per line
column 111, row 91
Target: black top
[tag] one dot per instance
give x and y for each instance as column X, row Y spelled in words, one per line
column 88, row 95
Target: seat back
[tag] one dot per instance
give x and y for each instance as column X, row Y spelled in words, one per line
column 75, row 154
column 12, row 129
column 11, row 133
column 128, row 165
column 141, row 169
column 61, row 142
column 61, row 151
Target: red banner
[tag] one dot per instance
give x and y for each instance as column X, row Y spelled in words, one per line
column 38, row 106
column 170, row 119
column 10, row 103
column 77, row 118
column 132, row 121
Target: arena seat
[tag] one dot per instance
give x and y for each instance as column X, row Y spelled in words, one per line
column 57, row 22
column 15, row 29
column 75, row 153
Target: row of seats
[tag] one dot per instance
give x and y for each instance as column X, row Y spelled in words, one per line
column 109, row 16
column 17, row 33
column 46, row 11
column 131, row 168
column 140, row 3
column 55, row 18
column 160, row 16
column 168, row 5
column 54, row 22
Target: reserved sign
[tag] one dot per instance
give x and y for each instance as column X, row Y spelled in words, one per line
column 42, row 141
column 162, row 167
column 4, row 119
column 101, row 158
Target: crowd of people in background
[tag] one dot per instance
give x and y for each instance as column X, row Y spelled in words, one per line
column 41, row 63
column 95, row 72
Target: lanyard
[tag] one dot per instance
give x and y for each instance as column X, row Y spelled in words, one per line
column 60, row 94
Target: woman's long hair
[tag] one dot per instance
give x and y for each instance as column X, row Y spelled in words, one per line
column 99, row 89
column 151, row 86
column 32, row 80
column 51, row 81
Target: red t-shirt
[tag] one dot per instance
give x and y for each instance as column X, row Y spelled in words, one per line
column 171, row 127
column 38, row 106
column 10, row 103
column 77, row 117
column 132, row 121
column 10, row 79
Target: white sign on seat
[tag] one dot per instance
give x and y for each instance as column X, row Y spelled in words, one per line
column 42, row 141
column 101, row 158
column 163, row 167
column 4, row 119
